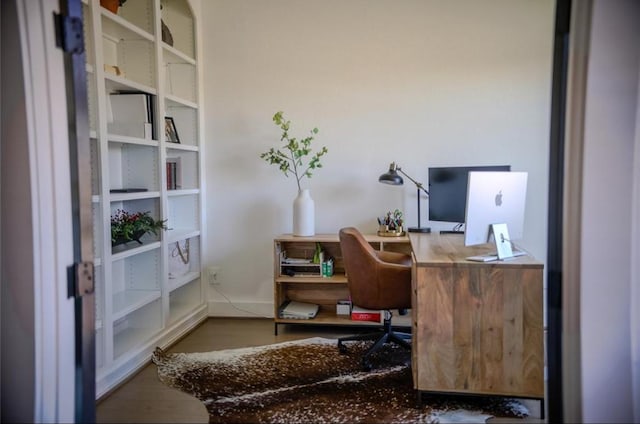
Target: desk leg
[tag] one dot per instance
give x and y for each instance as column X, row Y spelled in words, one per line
column 275, row 328
column 418, row 399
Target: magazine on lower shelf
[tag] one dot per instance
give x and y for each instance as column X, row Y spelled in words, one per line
column 298, row 310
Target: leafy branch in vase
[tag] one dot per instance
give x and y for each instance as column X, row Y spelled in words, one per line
column 291, row 158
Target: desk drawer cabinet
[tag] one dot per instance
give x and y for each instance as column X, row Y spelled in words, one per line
column 478, row 328
column 303, row 282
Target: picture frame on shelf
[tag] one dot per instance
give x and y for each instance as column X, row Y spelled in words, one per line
column 170, row 131
column 166, row 34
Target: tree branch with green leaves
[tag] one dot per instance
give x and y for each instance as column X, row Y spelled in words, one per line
column 290, row 158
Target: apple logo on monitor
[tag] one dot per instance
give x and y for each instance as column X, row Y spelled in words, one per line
column 499, row 198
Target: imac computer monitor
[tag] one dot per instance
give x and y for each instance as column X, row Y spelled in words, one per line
column 494, row 198
column 448, row 190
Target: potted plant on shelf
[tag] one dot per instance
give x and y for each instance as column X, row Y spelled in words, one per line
column 126, row 227
column 112, row 5
column 291, row 158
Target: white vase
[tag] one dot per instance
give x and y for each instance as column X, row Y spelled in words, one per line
column 303, row 214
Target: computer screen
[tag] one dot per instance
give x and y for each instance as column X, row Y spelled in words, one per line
column 448, row 191
column 494, row 198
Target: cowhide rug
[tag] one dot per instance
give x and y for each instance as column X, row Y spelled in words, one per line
column 309, row 381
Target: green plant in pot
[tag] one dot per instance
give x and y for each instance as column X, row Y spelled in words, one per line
column 126, row 227
column 112, row 5
column 296, row 158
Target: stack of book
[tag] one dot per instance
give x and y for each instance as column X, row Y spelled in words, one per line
column 298, row 310
column 362, row 314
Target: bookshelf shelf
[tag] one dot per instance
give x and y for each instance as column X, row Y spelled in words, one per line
column 182, row 147
column 123, row 139
column 139, row 305
column 123, row 197
column 181, row 234
column 132, row 249
column 129, row 301
column 182, row 102
column 173, row 55
column 115, row 83
column 178, row 282
column 183, row 192
column 312, row 279
column 120, row 29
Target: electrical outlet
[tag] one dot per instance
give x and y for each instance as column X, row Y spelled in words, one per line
column 213, row 275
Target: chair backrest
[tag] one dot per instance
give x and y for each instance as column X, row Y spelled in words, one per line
column 373, row 284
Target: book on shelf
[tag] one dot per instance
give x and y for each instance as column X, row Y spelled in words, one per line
column 296, row 261
column 298, row 310
column 362, row 314
column 127, row 190
column 173, row 174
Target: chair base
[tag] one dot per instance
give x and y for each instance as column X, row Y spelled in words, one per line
column 386, row 336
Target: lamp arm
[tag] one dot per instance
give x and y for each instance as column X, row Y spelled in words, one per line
column 419, row 185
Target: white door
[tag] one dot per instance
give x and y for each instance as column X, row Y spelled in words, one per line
column 37, row 315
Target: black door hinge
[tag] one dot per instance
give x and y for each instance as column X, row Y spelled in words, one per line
column 69, row 33
column 80, row 278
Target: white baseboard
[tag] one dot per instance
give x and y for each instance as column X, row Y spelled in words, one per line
column 240, row 309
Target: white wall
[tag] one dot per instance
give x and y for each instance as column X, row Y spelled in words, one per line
column 606, row 284
column 422, row 83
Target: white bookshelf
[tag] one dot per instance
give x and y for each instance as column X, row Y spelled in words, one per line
column 143, row 298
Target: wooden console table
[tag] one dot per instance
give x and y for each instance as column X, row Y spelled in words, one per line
column 305, row 283
column 477, row 327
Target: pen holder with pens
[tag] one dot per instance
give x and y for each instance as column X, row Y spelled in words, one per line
column 391, row 224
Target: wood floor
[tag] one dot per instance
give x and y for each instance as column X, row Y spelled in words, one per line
column 144, row 399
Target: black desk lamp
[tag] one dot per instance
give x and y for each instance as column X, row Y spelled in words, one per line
column 391, row 177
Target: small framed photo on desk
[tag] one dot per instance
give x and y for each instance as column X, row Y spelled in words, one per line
column 170, row 132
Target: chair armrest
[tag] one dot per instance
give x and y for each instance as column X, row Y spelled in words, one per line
column 393, row 257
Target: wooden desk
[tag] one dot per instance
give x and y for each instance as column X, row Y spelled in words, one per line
column 477, row 327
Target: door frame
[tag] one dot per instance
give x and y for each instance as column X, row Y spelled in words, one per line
column 35, row 259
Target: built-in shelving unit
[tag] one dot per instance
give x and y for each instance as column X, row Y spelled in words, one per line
column 147, row 294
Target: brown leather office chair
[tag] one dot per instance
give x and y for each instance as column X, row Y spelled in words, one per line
column 377, row 280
